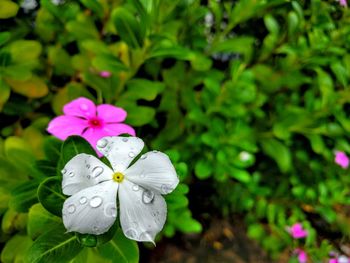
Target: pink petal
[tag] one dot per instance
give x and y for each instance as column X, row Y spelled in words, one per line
column 333, row 260
column 297, row 231
column 343, row 2
column 80, row 107
column 302, row 256
column 341, row 159
column 110, row 113
column 64, row 126
column 105, row 74
column 115, row 129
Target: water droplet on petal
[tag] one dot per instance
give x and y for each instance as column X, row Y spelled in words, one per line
column 97, row 171
column 135, row 187
column 95, row 228
column 63, row 171
column 131, row 233
column 125, row 139
column 113, row 212
column 142, row 175
column 143, row 156
column 83, row 200
column 96, row 201
column 154, row 151
column 165, row 189
column 84, row 107
column 131, row 154
column 147, row 197
column 71, row 174
column 71, row 209
column 102, row 143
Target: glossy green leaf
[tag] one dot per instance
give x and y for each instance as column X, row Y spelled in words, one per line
column 50, row 195
column 16, row 249
column 54, row 246
column 8, row 9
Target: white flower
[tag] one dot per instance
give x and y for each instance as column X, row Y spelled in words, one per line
column 93, row 186
column 28, row 5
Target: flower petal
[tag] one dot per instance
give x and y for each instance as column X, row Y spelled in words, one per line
column 64, row 126
column 83, row 171
column 92, row 210
column 80, row 107
column 119, row 128
column 110, row 113
column 153, row 171
column 142, row 212
column 120, row 151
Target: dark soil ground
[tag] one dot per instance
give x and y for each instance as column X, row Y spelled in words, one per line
column 222, row 242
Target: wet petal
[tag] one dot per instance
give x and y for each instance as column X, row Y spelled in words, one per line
column 110, row 113
column 119, row 128
column 84, row 171
column 120, row 151
column 142, row 212
column 64, row 126
column 81, row 107
column 92, row 210
column 153, row 171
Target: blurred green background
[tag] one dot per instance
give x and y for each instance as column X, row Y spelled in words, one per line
column 249, row 98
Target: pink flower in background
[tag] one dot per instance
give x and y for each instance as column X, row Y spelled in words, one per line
column 343, row 3
column 302, row 256
column 341, row 159
column 105, row 74
column 297, row 231
column 81, row 117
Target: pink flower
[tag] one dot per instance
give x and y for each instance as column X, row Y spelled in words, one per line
column 302, row 256
column 341, row 159
column 297, row 231
column 91, row 122
column 105, row 74
column 343, row 3
column 333, row 260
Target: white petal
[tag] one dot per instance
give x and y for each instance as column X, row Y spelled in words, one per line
column 120, row 151
column 92, row 210
column 153, row 171
column 142, row 212
column 83, row 171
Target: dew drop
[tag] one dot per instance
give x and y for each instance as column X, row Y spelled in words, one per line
column 82, row 200
column 147, row 197
column 143, row 156
column 146, row 236
column 154, row 151
column 71, row 174
column 135, row 187
column 131, row 154
column 113, row 212
column 96, row 201
column 165, row 189
column 102, row 143
column 142, row 175
column 131, row 233
column 63, row 171
column 125, row 139
column 95, row 228
column 97, row 171
column 71, row 209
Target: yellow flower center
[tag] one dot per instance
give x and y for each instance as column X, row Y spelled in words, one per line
column 118, row 177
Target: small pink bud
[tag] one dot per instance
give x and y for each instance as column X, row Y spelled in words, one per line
column 105, row 74
column 297, row 231
column 343, row 3
column 341, row 159
column 302, row 256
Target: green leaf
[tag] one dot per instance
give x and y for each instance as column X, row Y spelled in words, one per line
column 94, row 6
column 109, row 63
column 120, row 249
column 128, row 27
column 25, row 50
column 4, row 93
column 241, row 175
column 50, row 195
column 4, row 37
column 52, row 148
column 203, row 169
column 16, row 249
column 8, row 9
column 139, row 115
column 142, row 89
column 55, row 246
column 24, row 196
column 40, row 221
column 279, row 152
